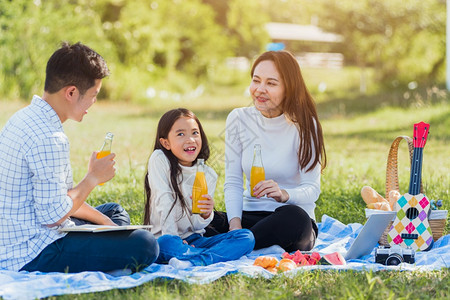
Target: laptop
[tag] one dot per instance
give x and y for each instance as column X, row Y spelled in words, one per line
column 369, row 235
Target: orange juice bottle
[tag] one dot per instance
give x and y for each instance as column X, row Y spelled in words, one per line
column 257, row 173
column 106, row 148
column 199, row 188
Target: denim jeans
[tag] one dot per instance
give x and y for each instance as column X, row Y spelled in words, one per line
column 104, row 251
column 201, row 251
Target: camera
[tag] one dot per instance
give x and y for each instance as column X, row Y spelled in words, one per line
column 392, row 256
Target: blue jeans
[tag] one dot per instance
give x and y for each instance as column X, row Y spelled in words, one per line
column 202, row 251
column 104, row 251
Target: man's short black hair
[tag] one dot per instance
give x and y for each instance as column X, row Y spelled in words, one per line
column 76, row 65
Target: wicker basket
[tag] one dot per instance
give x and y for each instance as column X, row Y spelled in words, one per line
column 437, row 225
column 437, row 219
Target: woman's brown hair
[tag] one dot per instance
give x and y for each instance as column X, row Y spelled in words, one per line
column 299, row 107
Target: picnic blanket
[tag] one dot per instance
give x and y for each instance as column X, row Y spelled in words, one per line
column 333, row 236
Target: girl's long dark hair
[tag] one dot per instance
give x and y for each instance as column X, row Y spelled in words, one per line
column 164, row 126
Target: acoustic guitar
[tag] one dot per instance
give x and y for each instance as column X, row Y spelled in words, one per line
column 410, row 227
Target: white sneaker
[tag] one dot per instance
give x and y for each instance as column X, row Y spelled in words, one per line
column 179, row 264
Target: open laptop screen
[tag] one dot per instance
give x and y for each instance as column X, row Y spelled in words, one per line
column 369, row 235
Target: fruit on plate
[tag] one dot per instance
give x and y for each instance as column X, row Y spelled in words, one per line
column 334, row 258
column 297, row 259
column 286, row 264
column 303, row 259
column 266, row 262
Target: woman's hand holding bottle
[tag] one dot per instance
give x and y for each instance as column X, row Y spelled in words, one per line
column 271, row 189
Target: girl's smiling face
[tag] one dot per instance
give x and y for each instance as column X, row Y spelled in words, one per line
column 184, row 140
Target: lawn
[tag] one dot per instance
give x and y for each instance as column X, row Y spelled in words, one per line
column 359, row 130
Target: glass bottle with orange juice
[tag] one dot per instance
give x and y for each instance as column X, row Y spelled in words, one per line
column 199, row 188
column 257, row 172
column 106, row 148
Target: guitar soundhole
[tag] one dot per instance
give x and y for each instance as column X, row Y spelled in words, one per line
column 412, row 213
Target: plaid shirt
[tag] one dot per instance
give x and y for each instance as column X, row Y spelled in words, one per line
column 35, row 175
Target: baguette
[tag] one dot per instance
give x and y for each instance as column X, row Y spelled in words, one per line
column 369, row 195
column 380, row 205
column 393, row 198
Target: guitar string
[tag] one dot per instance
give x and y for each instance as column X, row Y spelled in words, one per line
column 415, row 177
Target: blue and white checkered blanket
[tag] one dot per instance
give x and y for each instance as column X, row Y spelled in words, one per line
column 333, row 237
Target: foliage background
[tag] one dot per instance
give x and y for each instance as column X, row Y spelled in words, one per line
column 170, row 48
column 173, row 53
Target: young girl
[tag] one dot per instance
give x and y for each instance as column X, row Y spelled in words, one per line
column 180, row 140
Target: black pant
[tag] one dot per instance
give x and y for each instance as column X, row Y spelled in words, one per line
column 289, row 226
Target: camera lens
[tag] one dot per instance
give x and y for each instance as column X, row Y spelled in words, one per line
column 394, row 259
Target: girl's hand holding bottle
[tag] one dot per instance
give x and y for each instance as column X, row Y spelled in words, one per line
column 206, row 206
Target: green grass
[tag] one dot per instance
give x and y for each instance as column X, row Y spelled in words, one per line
column 304, row 285
column 359, row 130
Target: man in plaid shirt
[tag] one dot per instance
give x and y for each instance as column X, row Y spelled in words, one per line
column 36, row 186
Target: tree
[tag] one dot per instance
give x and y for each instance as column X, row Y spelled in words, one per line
column 291, row 11
column 173, row 42
column 243, row 23
column 31, row 31
column 403, row 40
column 246, row 23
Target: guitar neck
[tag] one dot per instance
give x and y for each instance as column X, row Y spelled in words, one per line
column 416, row 171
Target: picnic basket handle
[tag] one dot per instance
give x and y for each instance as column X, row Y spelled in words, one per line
column 392, row 165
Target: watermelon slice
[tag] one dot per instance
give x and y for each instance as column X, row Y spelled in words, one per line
column 314, row 258
column 303, row 259
column 334, row 258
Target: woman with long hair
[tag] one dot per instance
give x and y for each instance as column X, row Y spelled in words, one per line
column 283, row 120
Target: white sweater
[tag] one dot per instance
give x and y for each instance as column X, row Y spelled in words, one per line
column 279, row 139
column 164, row 220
